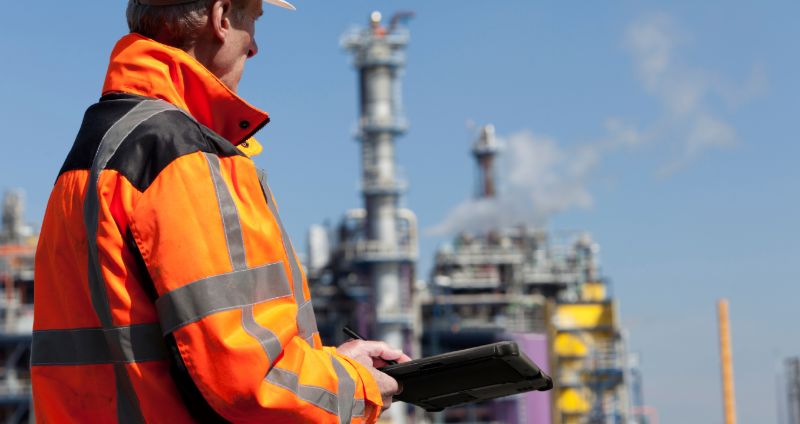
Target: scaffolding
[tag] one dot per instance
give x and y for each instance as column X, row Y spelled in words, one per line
column 17, row 248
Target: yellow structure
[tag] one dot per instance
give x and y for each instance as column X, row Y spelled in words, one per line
column 588, row 358
column 726, row 361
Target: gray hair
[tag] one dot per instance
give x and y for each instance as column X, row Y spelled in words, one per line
column 175, row 25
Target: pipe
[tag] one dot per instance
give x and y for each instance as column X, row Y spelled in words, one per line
column 726, row 359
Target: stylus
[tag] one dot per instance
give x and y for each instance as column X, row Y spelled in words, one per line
column 352, row 334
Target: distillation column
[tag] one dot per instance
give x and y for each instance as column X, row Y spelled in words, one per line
column 379, row 57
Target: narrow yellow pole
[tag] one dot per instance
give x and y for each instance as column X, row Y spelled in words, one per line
column 726, row 359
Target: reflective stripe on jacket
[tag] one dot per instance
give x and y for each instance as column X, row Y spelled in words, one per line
column 166, row 287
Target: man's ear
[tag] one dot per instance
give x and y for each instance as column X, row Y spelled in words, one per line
column 220, row 18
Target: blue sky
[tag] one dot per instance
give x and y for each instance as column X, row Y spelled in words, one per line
column 667, row 130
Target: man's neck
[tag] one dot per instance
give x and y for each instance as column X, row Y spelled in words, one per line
column 205, row 52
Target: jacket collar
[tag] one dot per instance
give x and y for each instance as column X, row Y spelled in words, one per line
column 145, row 67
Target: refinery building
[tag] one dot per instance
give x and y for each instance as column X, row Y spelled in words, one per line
column 505, row 284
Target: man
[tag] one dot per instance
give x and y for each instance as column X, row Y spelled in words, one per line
column 166, row 287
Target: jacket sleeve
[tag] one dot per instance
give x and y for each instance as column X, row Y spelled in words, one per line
column 231, row 293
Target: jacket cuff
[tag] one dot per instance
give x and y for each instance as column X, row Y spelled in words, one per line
column 372, row 395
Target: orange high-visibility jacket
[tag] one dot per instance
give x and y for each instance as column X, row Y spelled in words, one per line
column 166, row 288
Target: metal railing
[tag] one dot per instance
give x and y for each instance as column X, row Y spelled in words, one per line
column 474, row 278
column 481, row 255
column 376, row 251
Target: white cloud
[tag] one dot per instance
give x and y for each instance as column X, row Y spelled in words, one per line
column 738, row 94
column 685, row 93
column 652, row 41
column 708, row 131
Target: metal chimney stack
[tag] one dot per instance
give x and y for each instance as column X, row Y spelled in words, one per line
column 386, row 255
column 485, row 150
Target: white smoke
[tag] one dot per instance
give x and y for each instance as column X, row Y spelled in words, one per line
column 539, row 177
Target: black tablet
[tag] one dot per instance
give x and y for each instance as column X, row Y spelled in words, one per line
column 465, row 376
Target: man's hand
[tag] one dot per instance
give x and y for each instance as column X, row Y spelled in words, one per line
column 374, row 355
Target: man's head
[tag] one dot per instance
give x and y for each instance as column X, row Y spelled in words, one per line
column 220, row 34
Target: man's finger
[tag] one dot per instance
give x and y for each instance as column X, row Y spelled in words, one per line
column 392, row 355
column 403, row 358
column 359, row 349
column 377, row 349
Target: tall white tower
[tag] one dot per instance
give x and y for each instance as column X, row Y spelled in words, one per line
column 388, row 251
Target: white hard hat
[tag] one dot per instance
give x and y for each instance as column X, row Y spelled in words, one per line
column 282, row 3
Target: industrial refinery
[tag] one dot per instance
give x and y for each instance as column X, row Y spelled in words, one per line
column 543, row 289
column 515, row 283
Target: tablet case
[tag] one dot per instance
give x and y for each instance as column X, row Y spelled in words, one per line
column 466, row 376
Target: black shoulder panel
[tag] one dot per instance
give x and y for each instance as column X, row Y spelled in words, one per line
column 149, row 148
column 160, row 140
column 96, row 121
